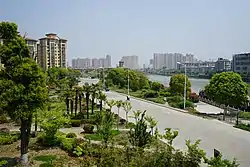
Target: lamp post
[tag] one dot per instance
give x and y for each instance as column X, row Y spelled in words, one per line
column 128, row 81
column 185, row 85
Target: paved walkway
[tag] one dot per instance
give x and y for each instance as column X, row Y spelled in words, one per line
column 230, row 141
column 208, row 109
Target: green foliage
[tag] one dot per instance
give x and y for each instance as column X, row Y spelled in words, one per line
column 108, row 122
column 156, row 86
column 177, row 84
column 6, row 138
column 188, row 104
column 71, row 135
column 3, row 119
column 150, row 94
column 68, row 144
column 50, row 121
column 243, row 126
column 245, row 115
column 78, row 151
column 138, row 135
column 3, row 162
column 45, row 158
column 193, row 97
column 227, row 88
column 75, row 123
column 219, row 162
column 88, row 128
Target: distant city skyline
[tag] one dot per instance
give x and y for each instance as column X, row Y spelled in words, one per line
column 208, row 29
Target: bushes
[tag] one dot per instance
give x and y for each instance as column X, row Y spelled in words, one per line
column 245, row 115
column 75, row 123
column 71, row 135
column 178, row 102
column 193, row 97
column 243, row 126
column 6, row 138
column 150, row 94
column 68, row 144
column 88, row 128
column 188, row 104
column 3, row 119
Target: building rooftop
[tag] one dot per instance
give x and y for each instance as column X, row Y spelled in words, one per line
column 30, row 39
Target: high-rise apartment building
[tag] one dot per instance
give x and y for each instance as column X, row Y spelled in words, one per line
column 222, row 65
column 169, row 60
column 241, row 63
column 32, row 45
column 92, row 63
column 131, row 62
column 52, row 52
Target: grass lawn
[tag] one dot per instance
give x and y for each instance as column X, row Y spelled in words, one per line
column 97, row 137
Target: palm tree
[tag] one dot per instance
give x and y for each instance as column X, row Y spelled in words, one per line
column 87, row 89
column 119, row 104
column 102, row 97
column 76, row 98
column 152, row 123
column 94, row 90
column 80, row 100
column 127, row 107
column 137, row 115
column 111, row 103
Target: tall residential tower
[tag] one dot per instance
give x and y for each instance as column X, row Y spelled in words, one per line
column 52, row 52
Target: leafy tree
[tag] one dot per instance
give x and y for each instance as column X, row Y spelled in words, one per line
column 102, row 97
column 51, row 120
column 111, row 103
column 152, row 123
column 94, row 89
column 87, row 90
column 177, row 84
column 119, row 104
column 138, row 134
column 107, row 124
column 22, row 82
column 156, row 86
column 127, row 107
column 227, row 88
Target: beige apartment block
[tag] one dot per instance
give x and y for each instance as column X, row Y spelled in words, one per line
column 52, row 52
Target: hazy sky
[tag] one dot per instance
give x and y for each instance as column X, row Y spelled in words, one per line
column 207, row 28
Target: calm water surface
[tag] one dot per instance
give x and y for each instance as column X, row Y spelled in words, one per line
column 196, row 84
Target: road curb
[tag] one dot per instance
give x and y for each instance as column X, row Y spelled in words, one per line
column 161, row 105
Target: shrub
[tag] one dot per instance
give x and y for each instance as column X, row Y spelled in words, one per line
column 88, row 128
column 6, row 138
column 188, row 104
column 88, row 121
column 68, row 144
column 71, row 135
column 150, row 94
column 3, row 119
column 243, row 126
column 45, row 140
column 75, row 123
column 245, row 115
column 194, row 97
column 175, row 99
column 159, row 100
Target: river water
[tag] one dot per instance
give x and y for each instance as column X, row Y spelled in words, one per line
column 196, row 84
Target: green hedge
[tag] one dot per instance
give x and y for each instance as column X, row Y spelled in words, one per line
column 243, row 127
column 6, row 138
column 75, row 123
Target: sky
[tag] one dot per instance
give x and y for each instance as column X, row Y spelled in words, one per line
column 94, row 28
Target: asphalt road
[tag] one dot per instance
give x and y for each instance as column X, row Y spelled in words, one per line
column 232, row 142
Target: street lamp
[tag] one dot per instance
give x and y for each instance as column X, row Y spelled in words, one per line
column 128, row 81
column 185, row 85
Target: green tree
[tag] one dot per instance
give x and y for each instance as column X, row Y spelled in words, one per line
column 152, row 123
column 119, row 104
column 156, row 86
column 102, row 97
column 51, row 120
column 111, row 103
column 87, row 90
column 227, row 88
column 94, row 90
column 138, row 134
column 22, row 83
column 108, row 122
column 177, row 84
column 127, row 107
